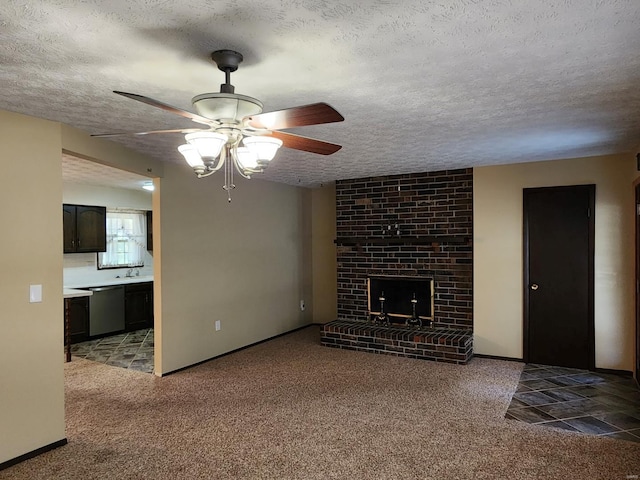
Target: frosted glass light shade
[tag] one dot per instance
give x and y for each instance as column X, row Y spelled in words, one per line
column 264, row 147
column 247, row 158
column 208, row 144
column 191, row 155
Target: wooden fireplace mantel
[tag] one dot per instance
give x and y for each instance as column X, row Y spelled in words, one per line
column 419, row 240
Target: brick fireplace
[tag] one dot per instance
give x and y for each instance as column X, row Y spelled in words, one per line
column 411, row 226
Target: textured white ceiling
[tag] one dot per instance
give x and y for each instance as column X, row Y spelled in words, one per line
column 78, row 170
column 423, row 85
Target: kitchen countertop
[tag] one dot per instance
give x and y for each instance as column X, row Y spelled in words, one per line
column 73, row 293
column 111, row 281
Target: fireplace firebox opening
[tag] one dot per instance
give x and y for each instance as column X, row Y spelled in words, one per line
column 399, row 300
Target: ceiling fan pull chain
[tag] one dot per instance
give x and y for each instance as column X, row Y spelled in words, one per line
column 231, row 185
column 226, row 180
column 228, row 173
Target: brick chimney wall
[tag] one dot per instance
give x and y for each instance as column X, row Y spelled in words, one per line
column 423, row 205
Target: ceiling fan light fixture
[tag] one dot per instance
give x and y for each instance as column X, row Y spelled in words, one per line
column 264, row 147
column 208, row 144
column 247, row 158
column 191, row 155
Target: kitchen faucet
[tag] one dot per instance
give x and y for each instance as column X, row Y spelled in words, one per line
column 130, row 273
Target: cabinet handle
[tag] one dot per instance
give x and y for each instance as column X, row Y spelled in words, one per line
column 78, row 243
column 73, row 243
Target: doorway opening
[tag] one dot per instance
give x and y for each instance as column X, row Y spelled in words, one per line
column 128, row 342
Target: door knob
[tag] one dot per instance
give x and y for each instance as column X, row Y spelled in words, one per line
column 534, row 286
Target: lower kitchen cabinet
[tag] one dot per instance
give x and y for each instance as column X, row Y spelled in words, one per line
column 78, row 319
column 138, row 306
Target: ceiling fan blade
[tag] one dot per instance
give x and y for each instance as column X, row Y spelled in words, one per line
column 305, row 144
column 119, row 134
column 313, row 114
column 168, row 108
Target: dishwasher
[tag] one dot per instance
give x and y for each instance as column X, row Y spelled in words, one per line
column 106, row 310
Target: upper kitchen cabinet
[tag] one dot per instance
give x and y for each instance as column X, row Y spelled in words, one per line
column 150, row 230
column 85, row 228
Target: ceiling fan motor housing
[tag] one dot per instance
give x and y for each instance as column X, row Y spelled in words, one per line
column 226, row 107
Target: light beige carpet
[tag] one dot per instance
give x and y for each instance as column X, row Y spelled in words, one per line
column 290, row 408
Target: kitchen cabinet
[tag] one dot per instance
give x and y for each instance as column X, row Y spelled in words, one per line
column 85, row 228
column 150, row 230
column 78, row 319
column 138, row 306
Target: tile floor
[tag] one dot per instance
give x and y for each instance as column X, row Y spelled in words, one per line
column 132, row 350
column 578, row 400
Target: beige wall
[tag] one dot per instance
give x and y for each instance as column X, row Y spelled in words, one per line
column 498, row 253
column 241, row 263
column 31, row 353
column 324, row 260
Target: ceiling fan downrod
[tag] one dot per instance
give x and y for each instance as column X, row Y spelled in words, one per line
column 227, row 61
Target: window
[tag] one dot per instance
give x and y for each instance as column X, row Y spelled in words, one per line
column 126, row 239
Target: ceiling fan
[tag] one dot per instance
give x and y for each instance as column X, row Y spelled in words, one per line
column 235, row 130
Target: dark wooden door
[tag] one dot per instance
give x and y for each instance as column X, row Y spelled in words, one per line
column 638, row 284
column 558, row 271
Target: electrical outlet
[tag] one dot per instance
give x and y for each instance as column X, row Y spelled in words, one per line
column 217, row 325
column 302, row 305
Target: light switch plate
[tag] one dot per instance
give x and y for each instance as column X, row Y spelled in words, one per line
column 35, row 293
column 217, row 325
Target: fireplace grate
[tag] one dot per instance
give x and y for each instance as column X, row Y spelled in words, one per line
column 400, row 300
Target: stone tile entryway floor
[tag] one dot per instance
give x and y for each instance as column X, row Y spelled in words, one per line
column 578, row 400
column 133, row 350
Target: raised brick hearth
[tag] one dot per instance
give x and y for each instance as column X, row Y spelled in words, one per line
column 439, row 344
